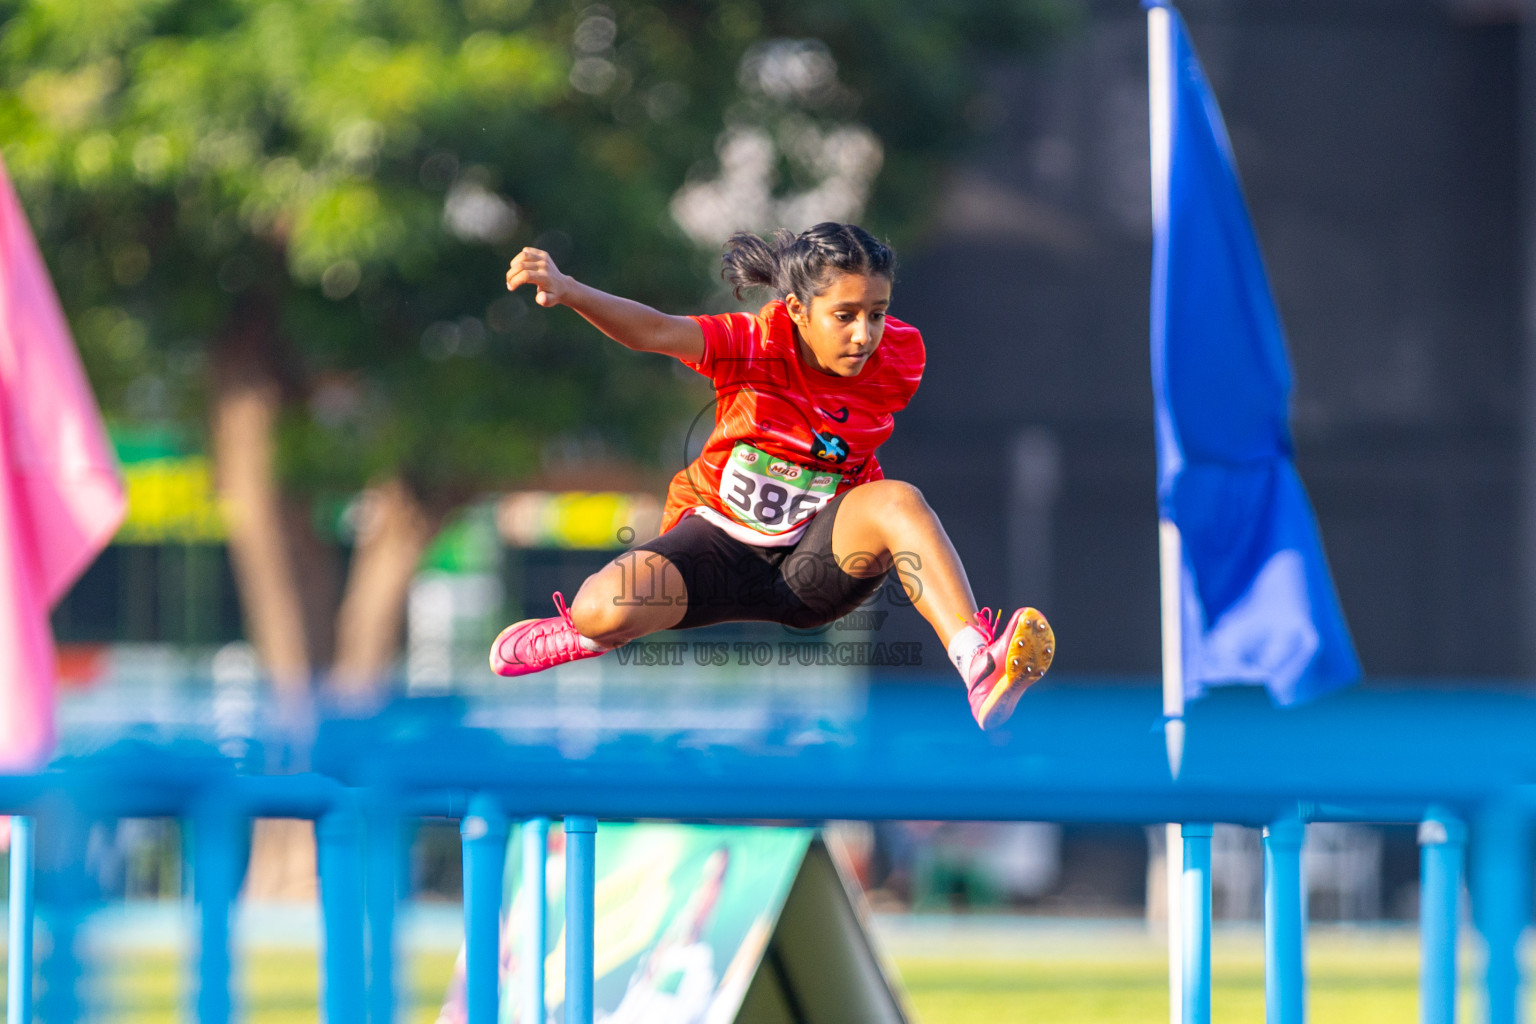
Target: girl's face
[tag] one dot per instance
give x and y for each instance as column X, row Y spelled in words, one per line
column 841, row 328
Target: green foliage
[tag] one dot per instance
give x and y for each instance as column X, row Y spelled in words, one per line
column 367, row 168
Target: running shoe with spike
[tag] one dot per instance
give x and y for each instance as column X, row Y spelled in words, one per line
column 1009, row 664
column 534, row 645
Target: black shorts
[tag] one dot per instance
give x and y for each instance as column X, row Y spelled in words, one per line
column 800, row 585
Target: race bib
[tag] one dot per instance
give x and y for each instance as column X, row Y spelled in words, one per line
column 773, row 495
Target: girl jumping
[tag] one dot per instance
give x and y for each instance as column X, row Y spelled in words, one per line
column 785, row 516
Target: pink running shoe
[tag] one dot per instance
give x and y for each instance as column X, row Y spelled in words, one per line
column 534, row 645
column 1008, row 665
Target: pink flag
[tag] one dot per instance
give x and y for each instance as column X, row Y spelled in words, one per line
column 61, row 498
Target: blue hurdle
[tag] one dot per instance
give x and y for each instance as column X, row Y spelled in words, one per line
column 1195, row 898
column 580, row 904
column 1443, row 840
column 383, row 841
column 484, row 831
column 1285, row 922
column 535, row 856
column 1076, row 754
column 18, row 1007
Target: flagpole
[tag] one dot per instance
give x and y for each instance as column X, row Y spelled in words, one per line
column 1170, row 547
column 1170, row 555
column 1170, row 563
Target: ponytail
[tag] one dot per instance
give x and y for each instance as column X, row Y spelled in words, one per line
column 803, row 265
column 753, row 262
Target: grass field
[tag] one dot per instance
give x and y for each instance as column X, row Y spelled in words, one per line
column 1348, row 986
column 1118, row 977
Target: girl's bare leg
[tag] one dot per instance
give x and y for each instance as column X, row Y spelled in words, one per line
column 637, row 593
column 886, row 524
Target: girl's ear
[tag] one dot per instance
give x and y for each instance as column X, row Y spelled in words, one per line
column 796, row 309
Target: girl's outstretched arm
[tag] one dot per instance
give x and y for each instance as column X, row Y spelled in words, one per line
column 632, row 324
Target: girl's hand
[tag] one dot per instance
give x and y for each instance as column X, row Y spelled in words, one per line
column 535, row 267
column 632, row 324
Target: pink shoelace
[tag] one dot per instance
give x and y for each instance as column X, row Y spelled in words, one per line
column 565, row 613
column 986, row 622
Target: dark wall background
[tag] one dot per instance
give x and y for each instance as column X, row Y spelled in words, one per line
column 1378, row 143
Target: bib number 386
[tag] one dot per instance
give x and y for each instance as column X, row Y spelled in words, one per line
column 773, row 495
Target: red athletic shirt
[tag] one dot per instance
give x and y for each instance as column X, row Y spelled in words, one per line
column 788, row 437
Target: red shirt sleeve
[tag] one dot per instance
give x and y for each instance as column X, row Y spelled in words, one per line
column 727, row 339
column 909, row 357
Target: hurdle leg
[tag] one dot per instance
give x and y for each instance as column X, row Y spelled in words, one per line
column 1501, row 904
column 18, row 1005
column 215, row 845
column 1285, row 923
column 580, row 895
column 535, row 939
column 340, row 849
column 484, row 832
column 1173, row 882
column 1442, row 845
column 383, row 844
column 1196, row 906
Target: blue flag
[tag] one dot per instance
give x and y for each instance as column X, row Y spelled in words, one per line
column 1258, row 605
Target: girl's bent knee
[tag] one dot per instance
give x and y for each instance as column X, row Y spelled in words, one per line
column 897, row 497
column 596, row 615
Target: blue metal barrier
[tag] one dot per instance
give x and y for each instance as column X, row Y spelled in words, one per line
column 339, row 857
column 535, row 917
column 18, row 1009
column 580, row 882
column 1196, row 901
column 484, row 830
column 1073, row 753
column 215, row 844
column 381, row 890
column 1443, row 840
column 1501, row 900
column 1285, row 923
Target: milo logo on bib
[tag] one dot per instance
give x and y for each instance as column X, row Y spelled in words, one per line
column 773, row 495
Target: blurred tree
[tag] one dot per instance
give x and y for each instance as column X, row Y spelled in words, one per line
column 288, row 220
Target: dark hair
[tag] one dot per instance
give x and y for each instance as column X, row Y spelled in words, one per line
column 802, row 265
